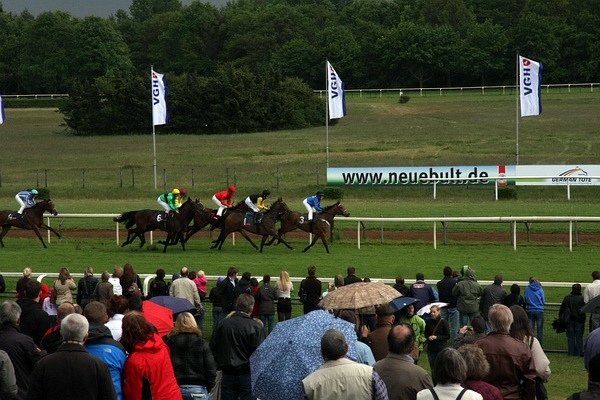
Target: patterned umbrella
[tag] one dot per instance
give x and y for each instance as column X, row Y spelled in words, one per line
column 291, row 352
column 359, row 295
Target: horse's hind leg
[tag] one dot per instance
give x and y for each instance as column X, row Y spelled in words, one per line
column 39, row 235
column 315, row 238
column 5, row 229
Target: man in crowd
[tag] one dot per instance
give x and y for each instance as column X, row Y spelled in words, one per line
column 351, row 278
column 185, row 288
column 53, row 338
column 449, row 312
column 468, row 292
column 379, row 337
column 492, row 294
column 400, row 363
column 400, row 286
column 340, row 376
column 34, row 321
column 510, row 359
column 310, row 290
column 591, row 291
column 422, row 291
column 226, row 291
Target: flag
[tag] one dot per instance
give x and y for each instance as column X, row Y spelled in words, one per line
column 1, row 110
column 530, row 80
column 159, row 99
column 335, row 92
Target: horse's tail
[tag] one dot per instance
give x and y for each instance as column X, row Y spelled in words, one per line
column 127, row 217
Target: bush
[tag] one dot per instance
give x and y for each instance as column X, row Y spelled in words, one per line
column 403, row 98
column 507, row 193
column 333, row 192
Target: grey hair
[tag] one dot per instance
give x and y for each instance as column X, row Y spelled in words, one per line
column 333, row 344
column 10, row 312
column 74, row 327
column 500, row 317
column 450, row 367
column 244, row 303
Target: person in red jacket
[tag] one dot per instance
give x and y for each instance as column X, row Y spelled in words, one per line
column 149, row 360
column 223, row 199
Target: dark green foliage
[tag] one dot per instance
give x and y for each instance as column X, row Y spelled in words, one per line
column 507, row 193
column 332, row 192
column 24, row 102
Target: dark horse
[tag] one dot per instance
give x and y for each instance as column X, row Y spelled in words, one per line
column 320, row 228
column 208, row 216
column 236, row 221
column 149, row 220
column 33, row 218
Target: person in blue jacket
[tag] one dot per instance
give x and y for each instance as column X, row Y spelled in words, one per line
column 535, row 299
column 26, row 199
column 313, row 204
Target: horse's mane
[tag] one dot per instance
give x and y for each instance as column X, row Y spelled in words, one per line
column 325, row 209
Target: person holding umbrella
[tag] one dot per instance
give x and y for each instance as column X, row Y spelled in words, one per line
column 417, row 323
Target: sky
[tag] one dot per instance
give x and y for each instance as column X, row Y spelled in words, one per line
column 78, row 8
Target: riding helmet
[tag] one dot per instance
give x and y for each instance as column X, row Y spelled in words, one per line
column 232, row 189
column 33, row 191
column 320, row 194
column 175, row 191
column 183, row 191
column 266, row 192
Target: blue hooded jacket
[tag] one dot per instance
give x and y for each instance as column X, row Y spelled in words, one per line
column 534, row 297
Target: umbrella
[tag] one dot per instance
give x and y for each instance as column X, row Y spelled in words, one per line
column 427, row 308
column 358, row 295
column 176, row 304
column 592, row 306
column 401, row 302
column 291, row 352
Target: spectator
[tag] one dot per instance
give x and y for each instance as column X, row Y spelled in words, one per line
column 117, row 307
column 449, row 312
column 592, row 348
column 363, row 351
column 521, row 330
column 514, row 297
column 338, row 282
column 63, row 286
column 104, row 290
column 379, row 337
column 437, row 334
column 284, row 289
column 217, row 307
column 351, row 278
column 367, row 314
column 127, row 280
column 201, row 281
column 34, row 321
column 449, row 373
column 71, row 372
column 243, row 284
column 400, row 286
column 471, row 334
column 8, row 380
column 149, row 361
column 185, row 288
column 468, row 292
column 161, row 318
column 232, row 344
column 535, row 300
column 399, row 362
column 310, row 290
column 23, row 281
column 101, row 344
column 422, row 291
column 593, row 391
column 86, row 287
column 192, row 359
column 266, row 310
column 254, row 287
column 116, row 281
column 477, row 369
column 417, row 323
column 339, row 375
column 158, row 286
column 570, row 313
column 509, row 358
column 21, row 349
column 2, row 284
column 53, row 338
column 591, row 291
column 49, row 306
column 492, row 294
column 226, row 290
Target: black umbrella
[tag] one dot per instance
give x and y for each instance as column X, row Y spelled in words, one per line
column 593, row 306
column 401, row 302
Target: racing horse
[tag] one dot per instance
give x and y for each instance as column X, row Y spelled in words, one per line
column 33, row 219
column 320, row 228
column 139, row 222
column 208, row 216
column 236, row 222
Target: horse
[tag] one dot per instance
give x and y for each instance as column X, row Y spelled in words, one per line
column 33, row 219
column 149, row 220
column 320, row 228
column 209, row 216
column 235, row 222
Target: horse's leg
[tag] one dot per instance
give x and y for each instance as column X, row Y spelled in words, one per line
column 281, row 240
column 39, row 235
column 312, row 243
column 245, row 235
column 5, row 229
column 51, row 230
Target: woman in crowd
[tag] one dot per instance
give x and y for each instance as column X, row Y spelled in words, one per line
column 437, row 333
column 148, row 371
column 477, row 369
column 570, row 313
column 116, row 309
column 449, row 372
column 128, row 278
column 407, row 315
column 159, row 287
column 104, row 289
column 192, row 359
column 521, row 330
column 514, row 297
column 284, row 289
column 63, row 286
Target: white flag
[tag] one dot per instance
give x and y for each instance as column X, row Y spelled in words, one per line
column 530, row 79
column 1, row 110
column 159, row 99
column 336, row 95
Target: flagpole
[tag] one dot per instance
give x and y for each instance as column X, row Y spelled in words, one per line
column 517, row 87
column 153, row 131
column 327, row 115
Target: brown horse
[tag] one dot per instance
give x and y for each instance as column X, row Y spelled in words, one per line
column 208, row 216
column 320, row 228
column 33, row 219
column 149, row 220
column 236, row 222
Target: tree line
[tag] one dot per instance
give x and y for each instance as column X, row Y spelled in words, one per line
column 252, row 65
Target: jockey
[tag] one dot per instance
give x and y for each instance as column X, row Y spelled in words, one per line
column 170, row 201
column 256, row 203
column 312, row 204
column 26, row 199
column 183, row 193
column 223, row 199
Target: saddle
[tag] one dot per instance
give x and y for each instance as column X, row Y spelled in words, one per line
column 316, row 217
column 249, row 219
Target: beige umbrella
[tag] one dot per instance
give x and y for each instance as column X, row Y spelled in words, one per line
column 359, row 295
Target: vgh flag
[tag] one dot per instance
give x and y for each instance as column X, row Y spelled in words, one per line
column 1, row 110
column 159, row 99
column 530, row 80
column 335, row 93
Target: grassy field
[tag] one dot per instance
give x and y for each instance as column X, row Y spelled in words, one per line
column 115, row 174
